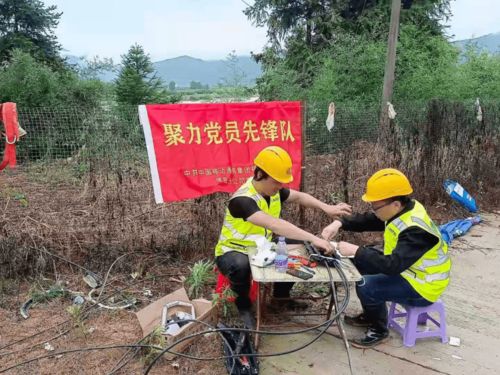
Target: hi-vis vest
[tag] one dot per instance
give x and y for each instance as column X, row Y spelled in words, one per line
column 429, row 275
column 238, row 234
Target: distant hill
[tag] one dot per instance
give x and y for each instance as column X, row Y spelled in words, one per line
column 489, row 43
column 185, row 69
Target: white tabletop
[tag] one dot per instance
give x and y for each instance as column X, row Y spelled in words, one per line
column 268, row 274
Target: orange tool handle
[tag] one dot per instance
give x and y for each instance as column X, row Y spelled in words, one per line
column 304, row 261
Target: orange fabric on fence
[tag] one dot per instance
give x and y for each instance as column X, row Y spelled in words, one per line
column 223, row 283
column 9, row 118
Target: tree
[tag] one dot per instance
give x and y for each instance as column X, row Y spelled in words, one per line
column 137, row 82
column 318, row 22
column 326, row 49
column 235, row 74
column 171, row 86
column 95, row 66
column 29, row 25
column 284, row 18
column 195, row 85
column 479, row 74
column 31, row 83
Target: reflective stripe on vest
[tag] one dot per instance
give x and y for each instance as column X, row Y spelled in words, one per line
column 428, row 278
column 429, row 275
column 238, row 234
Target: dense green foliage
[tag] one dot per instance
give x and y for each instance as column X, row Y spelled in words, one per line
column 34, row 84
column 317, row 55
column 317, row 23
column 28, row 25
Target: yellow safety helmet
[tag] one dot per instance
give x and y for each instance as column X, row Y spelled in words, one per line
column 276, row 162
column 386, row 183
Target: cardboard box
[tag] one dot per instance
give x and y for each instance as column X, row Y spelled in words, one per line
column 150, row 318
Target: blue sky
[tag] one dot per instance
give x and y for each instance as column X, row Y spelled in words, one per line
column 208, row 29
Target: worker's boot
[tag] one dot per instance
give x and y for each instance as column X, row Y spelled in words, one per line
column 372, row 338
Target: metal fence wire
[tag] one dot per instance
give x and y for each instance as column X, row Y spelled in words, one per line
column 59, row 133
column 88, row 188
column 430, row 141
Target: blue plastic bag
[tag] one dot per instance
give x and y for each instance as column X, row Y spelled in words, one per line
column 457, row 228
column 460, row 195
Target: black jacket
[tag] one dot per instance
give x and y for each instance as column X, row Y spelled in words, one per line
column 412, row 244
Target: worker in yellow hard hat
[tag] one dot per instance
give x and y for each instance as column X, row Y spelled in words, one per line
column 253, row 212
column 413, row 268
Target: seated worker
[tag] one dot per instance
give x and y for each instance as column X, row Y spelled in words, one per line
column 253, row 211
column 414, row 266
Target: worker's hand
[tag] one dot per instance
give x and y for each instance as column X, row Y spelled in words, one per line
column 325, row 246
column 331, row 231
column 338, row 210
column 347, row 249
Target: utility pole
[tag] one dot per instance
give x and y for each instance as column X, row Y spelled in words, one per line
column 390, row 63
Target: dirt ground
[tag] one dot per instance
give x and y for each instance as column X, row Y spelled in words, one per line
column 51, row 323
column 42, row 215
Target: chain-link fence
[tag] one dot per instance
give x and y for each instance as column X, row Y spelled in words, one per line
column 113, row 136
column 83, row 188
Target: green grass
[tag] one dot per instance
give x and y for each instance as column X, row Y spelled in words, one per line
column 40, row 296
column 56, row 172
column 78, row 318
column 226, row 307
column 202, row 275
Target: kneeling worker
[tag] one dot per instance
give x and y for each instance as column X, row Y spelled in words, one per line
column 254, row 211
column 414, row 266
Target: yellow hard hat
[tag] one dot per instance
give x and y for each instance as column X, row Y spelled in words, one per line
column 386, row 183
column 276, row 162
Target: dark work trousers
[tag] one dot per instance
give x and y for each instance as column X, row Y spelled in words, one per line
column 375, row 290
column 236, row 267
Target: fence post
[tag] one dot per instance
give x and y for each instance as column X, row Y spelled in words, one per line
column 302, row 179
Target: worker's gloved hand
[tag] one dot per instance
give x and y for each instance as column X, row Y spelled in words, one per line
column 324, row 246
column 331, row 231
column 337, row 210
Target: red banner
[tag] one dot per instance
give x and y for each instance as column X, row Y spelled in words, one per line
column 199, row 149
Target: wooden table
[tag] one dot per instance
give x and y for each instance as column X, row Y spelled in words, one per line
column 268, row 274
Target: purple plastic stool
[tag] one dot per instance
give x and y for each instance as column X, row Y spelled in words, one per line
column 415, row 316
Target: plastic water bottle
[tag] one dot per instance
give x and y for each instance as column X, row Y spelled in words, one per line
column 281, row 260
